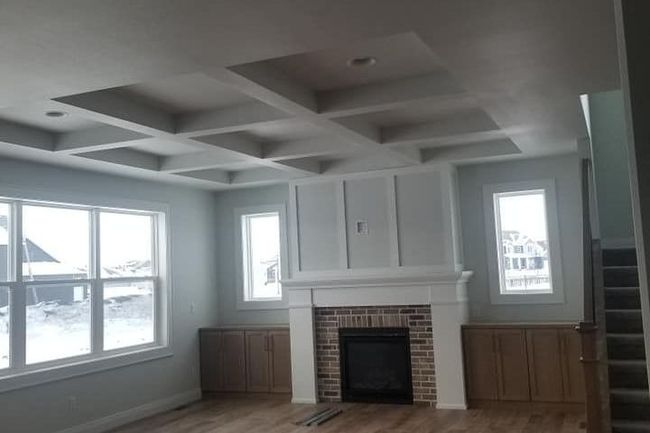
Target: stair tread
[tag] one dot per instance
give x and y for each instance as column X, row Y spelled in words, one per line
column 627, row 426
column 640, row 362
column 624, row 335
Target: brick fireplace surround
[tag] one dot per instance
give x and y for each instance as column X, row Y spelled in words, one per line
column 417, row 318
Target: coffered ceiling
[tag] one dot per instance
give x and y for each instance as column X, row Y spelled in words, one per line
column 242, row 93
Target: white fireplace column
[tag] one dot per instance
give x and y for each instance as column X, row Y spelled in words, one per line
column 303, row 347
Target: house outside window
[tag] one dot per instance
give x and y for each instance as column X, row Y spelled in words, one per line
column 523, row 243
column 262, row 249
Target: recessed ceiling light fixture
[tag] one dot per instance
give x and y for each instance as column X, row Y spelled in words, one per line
column 56, row 113
column 362, row 62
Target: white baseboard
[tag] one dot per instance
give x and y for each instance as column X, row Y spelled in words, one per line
column 451, row 406
column 303, row 401
column 136, row 413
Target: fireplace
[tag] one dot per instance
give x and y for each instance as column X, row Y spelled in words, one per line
column 375, row 365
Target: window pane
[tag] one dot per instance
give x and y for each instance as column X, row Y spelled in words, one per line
column 128, row 314
column 126, row 244
column 58, row 321
column 262, row 256
column 56, row 243
column 5, row 241
column 524, row 260
column 4, row 327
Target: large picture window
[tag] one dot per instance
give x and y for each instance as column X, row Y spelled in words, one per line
column 77, row 283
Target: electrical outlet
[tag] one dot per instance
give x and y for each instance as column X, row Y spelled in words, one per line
column 362, row 227
column 72, row 403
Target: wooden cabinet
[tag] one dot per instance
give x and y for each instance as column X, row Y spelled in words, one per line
column 512, row 374
column 245, row 360
column 539, row 363
column 480, row 364
column 545, row 365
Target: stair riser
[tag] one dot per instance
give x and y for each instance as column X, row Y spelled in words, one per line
column 622, row 299
column 619, row 257
column 632, row 429
column 621, row 277
column 628, row 376
column 625, row 348
column 627, row 322
column 630, row 412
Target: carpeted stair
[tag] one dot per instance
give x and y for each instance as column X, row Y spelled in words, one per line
column 628, row 378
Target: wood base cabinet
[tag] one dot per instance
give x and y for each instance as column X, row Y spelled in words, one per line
column 524, row 362
column 245, row 360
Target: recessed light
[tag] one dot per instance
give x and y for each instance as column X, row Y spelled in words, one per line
column 56, row 113
column 362, row 62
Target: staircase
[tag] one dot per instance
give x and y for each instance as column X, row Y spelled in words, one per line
column 628, row 380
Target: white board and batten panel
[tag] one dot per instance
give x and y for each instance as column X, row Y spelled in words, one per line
column 372, row 224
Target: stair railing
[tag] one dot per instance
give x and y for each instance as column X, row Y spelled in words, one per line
column 591, row 329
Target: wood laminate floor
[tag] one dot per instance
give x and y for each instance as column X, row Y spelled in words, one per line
column 250, row 415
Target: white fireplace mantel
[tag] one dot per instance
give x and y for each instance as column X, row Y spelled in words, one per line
column 445, row 292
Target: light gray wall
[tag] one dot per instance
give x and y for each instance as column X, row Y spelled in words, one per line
column 565, row 171
column 610, row 162
column 45, row 408
column 225, row 204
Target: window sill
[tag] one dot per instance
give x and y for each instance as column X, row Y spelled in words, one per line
column 280, row 304
column 52, row 373
column 527, row 298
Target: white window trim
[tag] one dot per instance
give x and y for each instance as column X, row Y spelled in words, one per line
column 274, row 304
column 50, row 371
column 493, row 252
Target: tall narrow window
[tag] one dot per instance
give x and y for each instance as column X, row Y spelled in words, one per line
column 520, row 219
column 5, row 315
column 261, row 256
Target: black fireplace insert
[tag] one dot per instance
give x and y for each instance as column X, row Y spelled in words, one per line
column 376, row 365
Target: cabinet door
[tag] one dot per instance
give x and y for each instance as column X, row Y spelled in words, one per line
column 211, row 361
column 257, row 361
column 280, row 361
column 234, row 361
column 480, row 364
column 572, row 374
column 512, row 365
column 544, row 365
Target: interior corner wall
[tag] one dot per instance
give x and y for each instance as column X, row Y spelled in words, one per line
column 45, row 408
column 610, row 165
column 225, row 204
column 471, row 179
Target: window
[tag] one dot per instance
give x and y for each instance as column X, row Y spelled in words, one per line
column 262, row 256
column 84, row 283
column 523, row 216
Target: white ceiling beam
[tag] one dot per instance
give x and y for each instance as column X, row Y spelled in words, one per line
column 229, row 119
column 21, row 135
column 106, row 106
column 100, row 138
column 471, row 152
column 263, row 82
column 196, row 161
column 438, row 89
column 128, row 157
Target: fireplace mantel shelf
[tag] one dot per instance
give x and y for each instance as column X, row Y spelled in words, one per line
column 388, row 280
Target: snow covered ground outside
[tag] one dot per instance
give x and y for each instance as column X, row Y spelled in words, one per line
column 56, row 331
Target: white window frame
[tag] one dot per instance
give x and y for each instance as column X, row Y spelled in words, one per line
column 20, row 374
column 494, row 249
column 240, row 254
